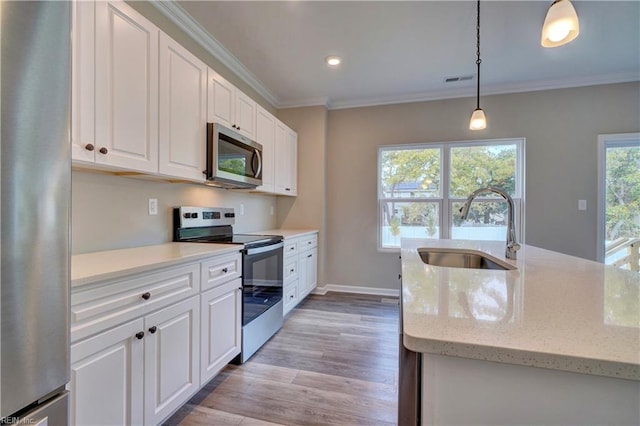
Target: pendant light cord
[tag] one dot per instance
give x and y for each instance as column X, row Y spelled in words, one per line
column 478, row 61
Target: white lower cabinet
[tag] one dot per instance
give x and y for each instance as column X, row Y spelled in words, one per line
column 300, row 269
column 221, row 314
column 143, row 345
column 171, row 358
column 308, row 271
column 157, row 357
column 107, row 377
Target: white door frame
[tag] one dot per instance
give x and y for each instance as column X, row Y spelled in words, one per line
column 604, row 142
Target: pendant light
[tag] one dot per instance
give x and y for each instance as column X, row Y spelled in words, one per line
column 561, row 24
column 478, row 120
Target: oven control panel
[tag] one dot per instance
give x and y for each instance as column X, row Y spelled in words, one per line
column 196, row 217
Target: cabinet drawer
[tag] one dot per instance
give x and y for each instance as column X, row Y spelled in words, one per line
column 290, row 296
column 290, row 248
column 220, row 270
column 308, row 242
column 113, row 302
column 290, row 269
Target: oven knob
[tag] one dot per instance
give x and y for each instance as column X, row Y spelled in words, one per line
column 187, row 215
column 229, row 215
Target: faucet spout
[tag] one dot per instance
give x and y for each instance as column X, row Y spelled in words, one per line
column 512, row 245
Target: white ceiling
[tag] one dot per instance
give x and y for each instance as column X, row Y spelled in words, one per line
column 396, row 51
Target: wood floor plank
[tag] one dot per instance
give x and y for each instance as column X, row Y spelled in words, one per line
column 345, row 385
column 334, row 362
column 317, row 399
column 268, row 372
column 279, row 411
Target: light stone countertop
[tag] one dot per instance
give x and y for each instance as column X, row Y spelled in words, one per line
column 287, row 233
column 93, row 267
column 555, row 311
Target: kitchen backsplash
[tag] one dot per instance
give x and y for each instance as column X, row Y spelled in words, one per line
column 111, row 212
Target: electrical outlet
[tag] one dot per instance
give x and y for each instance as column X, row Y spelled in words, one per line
column 272, row 210
column 153, row 206
column 582, row 205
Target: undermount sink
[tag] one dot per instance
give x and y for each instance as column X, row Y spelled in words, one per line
column 462, row 258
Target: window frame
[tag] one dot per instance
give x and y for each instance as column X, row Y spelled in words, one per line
column 445, row 201
column 613, row 140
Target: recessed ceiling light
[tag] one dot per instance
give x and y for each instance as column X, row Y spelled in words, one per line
column 333, row 61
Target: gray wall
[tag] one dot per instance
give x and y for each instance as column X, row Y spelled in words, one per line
column 308, row 210
column 561, row 129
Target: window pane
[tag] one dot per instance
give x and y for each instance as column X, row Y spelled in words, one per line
column 622, row 207
column 476, row 167
column 487, row 220
column 408, row 219
column 410, row 173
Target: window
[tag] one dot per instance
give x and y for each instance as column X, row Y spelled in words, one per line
column 619, row 200
column 421, row 188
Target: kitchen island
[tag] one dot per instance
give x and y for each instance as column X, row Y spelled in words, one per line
column 555, row 341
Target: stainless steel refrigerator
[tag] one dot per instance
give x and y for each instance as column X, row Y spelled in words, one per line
column 35, row 174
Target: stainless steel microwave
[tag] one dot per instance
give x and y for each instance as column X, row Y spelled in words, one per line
column 233, row 160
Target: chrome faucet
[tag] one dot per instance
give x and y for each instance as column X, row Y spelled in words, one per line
column 512, row 244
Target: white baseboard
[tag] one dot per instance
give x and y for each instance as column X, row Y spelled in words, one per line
column 357, row 290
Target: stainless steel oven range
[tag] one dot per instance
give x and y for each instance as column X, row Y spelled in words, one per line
column 262, row 260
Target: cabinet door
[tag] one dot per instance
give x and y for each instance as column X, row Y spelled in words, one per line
column 171, row 358
column 220, row 99
column 266, row 136
column 283, row 161
column 183, row 93
column 83, row 82
column 286, row 174
column 107, row 378
column 245, row 116
column 221, row 328
column 126, row 88
column 308, row 272
column 292, row 146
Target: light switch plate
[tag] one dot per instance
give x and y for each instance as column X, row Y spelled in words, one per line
column 153, row 206
column 582, row 204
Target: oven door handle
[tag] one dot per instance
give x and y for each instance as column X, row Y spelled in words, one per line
column 262, row 249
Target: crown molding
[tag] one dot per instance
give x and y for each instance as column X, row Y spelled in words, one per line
column 465, row 92
column 319, row 101
column 176, row 14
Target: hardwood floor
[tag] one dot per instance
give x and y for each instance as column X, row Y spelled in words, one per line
column 334, row 362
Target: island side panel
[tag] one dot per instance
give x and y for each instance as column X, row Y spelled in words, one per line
column 467, row 391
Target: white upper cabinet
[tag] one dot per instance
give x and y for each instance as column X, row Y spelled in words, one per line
column 141, row 101
column 229, row 106
column 266, row 136
column 286, row 172
column 126, row 76
column 83, row 134
column 245, row 115
column 183, row 93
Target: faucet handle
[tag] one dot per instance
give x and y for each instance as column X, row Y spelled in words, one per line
column 512, row 249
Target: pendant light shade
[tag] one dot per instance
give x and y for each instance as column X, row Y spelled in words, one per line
column 561, row 24
column 478, row 120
